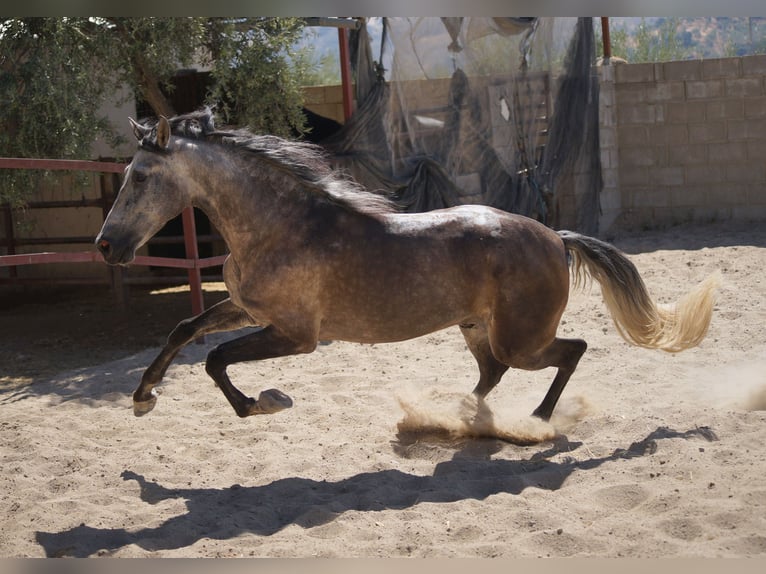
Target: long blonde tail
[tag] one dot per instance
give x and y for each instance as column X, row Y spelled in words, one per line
column 637, row 318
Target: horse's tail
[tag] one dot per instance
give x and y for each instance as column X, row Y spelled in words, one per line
column 637, row 318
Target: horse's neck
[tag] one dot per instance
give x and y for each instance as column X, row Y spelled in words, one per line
column 245, row 206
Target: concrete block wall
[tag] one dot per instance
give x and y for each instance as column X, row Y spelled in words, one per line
column 683, row 141
column 611, row 199
column 326, row 101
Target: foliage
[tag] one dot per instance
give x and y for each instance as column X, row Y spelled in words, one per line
column 57, row 72
column 319, row 70
column 664, row 44
column 258, row 76
column 662, row 39
column 36, row 56
column 146, row 52
column 659, row 43
column 619, row 38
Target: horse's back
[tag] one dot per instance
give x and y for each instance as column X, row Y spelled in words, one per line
column 483, row 231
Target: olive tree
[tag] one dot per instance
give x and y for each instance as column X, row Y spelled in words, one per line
column 56, row 72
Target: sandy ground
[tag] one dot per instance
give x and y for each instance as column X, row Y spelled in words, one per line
column 654, row 454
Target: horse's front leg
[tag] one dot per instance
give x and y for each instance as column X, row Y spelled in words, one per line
column 266, row 344
column 224, row 316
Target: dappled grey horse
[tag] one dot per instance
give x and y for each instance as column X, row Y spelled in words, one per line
column 315, row 257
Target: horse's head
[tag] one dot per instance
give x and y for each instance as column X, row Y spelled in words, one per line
column 151, row 195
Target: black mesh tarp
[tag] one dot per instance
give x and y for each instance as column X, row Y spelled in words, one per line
column 497, row 111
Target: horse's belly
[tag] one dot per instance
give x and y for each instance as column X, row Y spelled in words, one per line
column 390, row 319
column 367, row 332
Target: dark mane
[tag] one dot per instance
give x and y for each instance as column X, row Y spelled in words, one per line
column 304, row 161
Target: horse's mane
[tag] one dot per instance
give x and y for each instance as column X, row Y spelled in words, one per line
column 305, row 161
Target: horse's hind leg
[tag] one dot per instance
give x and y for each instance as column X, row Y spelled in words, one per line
column 490, row 369
column 564, row 354
column 224, row 316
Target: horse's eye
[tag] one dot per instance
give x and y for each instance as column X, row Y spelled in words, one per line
column 139, row 176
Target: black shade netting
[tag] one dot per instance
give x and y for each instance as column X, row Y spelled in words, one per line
column 496, row 111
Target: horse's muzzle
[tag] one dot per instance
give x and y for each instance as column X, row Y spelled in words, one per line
column 114, row 254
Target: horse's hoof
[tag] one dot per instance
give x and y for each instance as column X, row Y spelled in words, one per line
column 140, row 408
column 272, row 401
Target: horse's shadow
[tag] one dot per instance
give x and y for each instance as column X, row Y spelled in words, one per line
column 223, row 513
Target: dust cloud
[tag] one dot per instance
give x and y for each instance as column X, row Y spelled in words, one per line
column 471, row 417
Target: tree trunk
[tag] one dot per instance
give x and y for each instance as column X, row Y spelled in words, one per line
column 150, row 90
column 146, row 81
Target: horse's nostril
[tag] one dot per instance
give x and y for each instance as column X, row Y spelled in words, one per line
column 104, row 246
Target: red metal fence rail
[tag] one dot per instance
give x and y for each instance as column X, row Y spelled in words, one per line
column 192, row 263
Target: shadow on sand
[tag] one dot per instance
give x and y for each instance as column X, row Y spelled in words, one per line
column 692, row 237
column 225, row 513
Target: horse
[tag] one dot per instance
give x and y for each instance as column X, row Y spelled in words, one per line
column 315, row 257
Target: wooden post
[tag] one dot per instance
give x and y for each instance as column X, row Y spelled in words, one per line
column 10, row 237
column 606, row 39
column 345, row 74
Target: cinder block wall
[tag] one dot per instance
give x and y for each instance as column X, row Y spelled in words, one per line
column 683, row 141
column 326, row 101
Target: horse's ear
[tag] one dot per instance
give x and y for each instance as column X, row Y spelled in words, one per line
column 163, row 133
column 138, row 130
